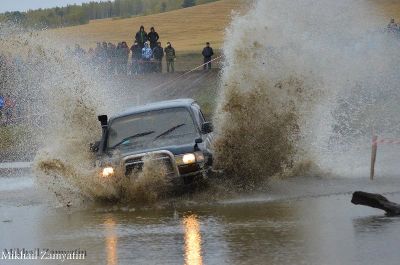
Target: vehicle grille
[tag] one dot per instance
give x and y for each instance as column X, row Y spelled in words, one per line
column 136, row 163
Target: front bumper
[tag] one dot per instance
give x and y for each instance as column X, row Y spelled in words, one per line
column 136, row 162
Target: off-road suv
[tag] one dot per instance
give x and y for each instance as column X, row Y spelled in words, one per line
column 172, row 132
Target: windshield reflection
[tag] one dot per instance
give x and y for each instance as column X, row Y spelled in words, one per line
column 193, row 254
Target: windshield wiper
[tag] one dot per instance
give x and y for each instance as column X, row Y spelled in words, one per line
column 133, row 136
column 169, row 130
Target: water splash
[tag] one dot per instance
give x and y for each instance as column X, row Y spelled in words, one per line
column 73, row 185
column 68, row 94
column 302, row 85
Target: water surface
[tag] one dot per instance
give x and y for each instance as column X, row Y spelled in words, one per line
column 293, row 223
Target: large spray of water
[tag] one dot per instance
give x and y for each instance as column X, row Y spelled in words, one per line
column 303, row 84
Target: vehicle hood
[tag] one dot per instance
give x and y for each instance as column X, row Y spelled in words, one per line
column 174, row 149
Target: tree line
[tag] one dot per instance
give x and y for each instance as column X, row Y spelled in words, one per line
column 72, row 15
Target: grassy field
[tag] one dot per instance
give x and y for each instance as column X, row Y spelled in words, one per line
column 187, row 29
column 389, row 8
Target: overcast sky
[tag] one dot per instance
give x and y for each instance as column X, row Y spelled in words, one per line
column 23, row 5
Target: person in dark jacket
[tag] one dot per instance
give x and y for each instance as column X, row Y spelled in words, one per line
column 112, row 58
column 124, row 56
column 141, row 37
column 158, row 54
column 118, row 58
column 103, row 57
column 153, row 38
column 207, row 54
column 392, row 26
column 9, row 106
column 136, row 57
column 170, row 57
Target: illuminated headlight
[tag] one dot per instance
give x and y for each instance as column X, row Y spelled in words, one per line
column 108, row 171
column 190, row 158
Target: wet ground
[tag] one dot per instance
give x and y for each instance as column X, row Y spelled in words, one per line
column 300, row 221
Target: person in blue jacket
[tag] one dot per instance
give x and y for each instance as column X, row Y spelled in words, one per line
column 1, row 102
column 147, row 54
column 1, row 106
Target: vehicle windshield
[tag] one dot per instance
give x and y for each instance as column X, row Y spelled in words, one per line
column 152, row 129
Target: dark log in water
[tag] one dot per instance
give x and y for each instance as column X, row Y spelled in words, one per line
column 376, row 201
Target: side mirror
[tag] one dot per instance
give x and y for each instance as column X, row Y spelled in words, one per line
column 94, row 147
column 207, row 127
column 198, row 141
column 103, row 119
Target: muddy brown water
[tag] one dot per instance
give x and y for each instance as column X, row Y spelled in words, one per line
column 299, row 221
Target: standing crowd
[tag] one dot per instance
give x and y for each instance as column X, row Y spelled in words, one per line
column 147, row 54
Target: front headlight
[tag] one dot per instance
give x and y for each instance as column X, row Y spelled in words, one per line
column 108, row 171
column 190, row 158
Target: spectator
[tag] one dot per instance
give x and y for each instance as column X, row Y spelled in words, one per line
column 78, row 52
column 104, row 52
column 68, row 51
column 1, row 103
column 392, row 26
column 118, row 58
column 90, row 56
column 158, row 54
column 97, row 54
column 102, row 57
column 111, row 58
column 170, row 57
column 124, row 54
column 1, row 107
column 136, row 57
column 141, row 37
column 9, row 105
column 147, row 54
column 207, row 54
column 153, row 38
column 104, row 44
column 98, row 48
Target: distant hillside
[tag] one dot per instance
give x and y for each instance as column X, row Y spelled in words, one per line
column 188, row 29
column 389, row 8
column 71, row 15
